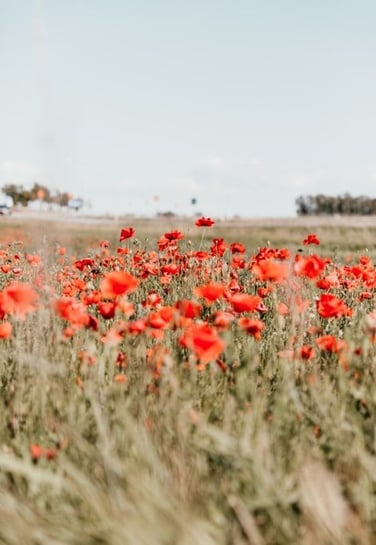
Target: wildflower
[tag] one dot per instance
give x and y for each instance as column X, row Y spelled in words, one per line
column 73, row 311
column 307, row 352
column 36, row 452
column 311, row 239
column 329, row 306
column 330, row 343
column 174, row 235
column 5, row 330
column 117, row 283
column 210, row 292
column 107, row 309
column 204, row 341
column 237, row 248
column 218, row 247
column 135, row 327
column 223, row 319
column 310, row 266
column 161, row 318
column 18, row 299
column 252, row 326
column 243, row 302
column 268, row 269
column 188, row 308
column 204, row 222
column 126, row 232
column 80, row 264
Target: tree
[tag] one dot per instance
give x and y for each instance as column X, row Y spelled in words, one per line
column 317, row 205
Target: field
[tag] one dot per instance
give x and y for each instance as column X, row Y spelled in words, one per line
column 166, row 383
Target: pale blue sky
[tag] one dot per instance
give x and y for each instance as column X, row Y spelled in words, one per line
column 242, row 104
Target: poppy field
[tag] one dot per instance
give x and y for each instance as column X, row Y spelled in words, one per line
column 187, row 388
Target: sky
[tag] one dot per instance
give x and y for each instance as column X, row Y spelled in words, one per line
column 138, row 106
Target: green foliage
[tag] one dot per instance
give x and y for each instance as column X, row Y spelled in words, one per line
column 22, row 196
column 345, row 204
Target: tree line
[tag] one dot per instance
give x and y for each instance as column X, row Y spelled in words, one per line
column 22, row 196
column 346, row 204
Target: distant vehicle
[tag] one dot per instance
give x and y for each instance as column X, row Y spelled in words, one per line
column 76, row 204
column 6, row 204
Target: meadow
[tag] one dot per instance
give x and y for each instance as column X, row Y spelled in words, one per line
column 167, row 383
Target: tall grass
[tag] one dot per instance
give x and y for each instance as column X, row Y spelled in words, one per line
column 264, row 450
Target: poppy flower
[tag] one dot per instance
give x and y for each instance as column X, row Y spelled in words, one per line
column 204, row 222
column 310, row 266
column 311, row 239
column 107, row 309
column 171, row 268
column 73, row 311
column 252, row 326
column 174, row 235
column 330, row 343
column 161, row 318
column 36, row 452
column 117, row 283
column 153, row 299
column 188, row 308
column 126, row 232
column 218, row 247
column 204, row 341
column 307, row 352
column 243, row 302
column 135, row 327
column 223, row 319
column 80, row 264
column 237, row 248
column 210, row 292
column 268, row 269
column 329, row 306
column 5, row 330
column 18, row 299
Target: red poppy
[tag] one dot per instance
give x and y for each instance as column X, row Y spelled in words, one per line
column 161, row 318
column 210, row 292
column 243, row 302
column 72, row 310
column 204, row 341
column 268, row 269
column 18, row 299
column 330, row 343
column 117, row 283
column 174, row 235
column 153, row 299
column 252, row 326
column 80, row 264
column 126, row 232
column 310, row 266
column 107, row 309
column 307, row 352
column 223, row 319
column 135, row 327
column 329, row 306
column 36, row 452
column 218, row 247
column 188, row 308
column 5, row 330
column 204, row 222
column 237, row 248
column 311, row 239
